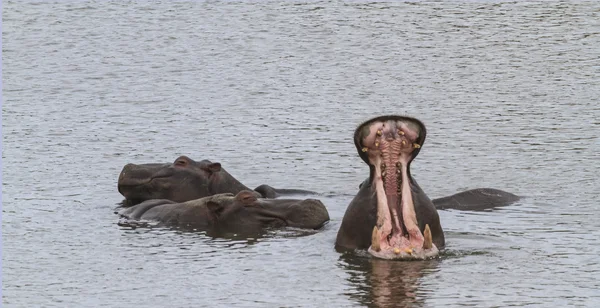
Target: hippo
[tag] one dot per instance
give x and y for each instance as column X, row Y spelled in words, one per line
column 478, row 199
column 185, row 180
column 391, row 216
column 229, row 213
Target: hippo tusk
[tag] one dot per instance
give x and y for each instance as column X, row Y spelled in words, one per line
column 427, row 244
column 375, row 240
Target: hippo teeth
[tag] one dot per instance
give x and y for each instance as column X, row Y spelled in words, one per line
column 375, row 239
column 427, row 242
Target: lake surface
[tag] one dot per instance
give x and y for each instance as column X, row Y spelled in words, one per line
column 274, row 90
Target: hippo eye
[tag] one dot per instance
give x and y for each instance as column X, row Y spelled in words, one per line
column 254, row 205
column 180, row 162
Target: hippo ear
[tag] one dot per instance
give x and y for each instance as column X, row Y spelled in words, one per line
column 215, row 208
column 246, row 197
column 214, row 167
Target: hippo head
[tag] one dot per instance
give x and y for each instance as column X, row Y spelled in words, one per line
column 388, row 144
column 306, row 214
column 245, row 212
column 242, row 213
column 182, row 180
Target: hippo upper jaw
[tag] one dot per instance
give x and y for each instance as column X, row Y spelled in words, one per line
column 133, row 176
column 180, row 181
column 388, row 145
column 136, row 190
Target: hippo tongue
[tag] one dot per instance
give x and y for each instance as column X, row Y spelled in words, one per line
column 389, row 146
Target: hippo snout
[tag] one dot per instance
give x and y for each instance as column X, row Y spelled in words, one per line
column 124, row 172
column 133, row 175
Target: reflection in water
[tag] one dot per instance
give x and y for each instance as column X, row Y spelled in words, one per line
column 250, row 237
column 385, row 283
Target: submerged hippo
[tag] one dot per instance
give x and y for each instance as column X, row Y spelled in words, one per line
column 184, row 180
column 476, row 200
column 241, row 213
column 391, row 216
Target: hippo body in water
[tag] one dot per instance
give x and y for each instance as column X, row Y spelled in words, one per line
column 391, row 216
column 356, row 231
column 241, row 213
column 184, row 180
column 476, row 200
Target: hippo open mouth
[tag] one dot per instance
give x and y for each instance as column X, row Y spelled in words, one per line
column 389, row 144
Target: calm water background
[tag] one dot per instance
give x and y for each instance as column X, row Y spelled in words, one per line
column 273, row 90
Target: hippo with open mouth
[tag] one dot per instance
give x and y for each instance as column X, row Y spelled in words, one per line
column 391, row 216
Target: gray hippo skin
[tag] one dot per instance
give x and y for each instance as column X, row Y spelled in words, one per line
column 476, row 200
column 391, row 216
column 241, row 213
column 184, row 180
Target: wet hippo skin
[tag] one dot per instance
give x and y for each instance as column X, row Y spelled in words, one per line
column 185, row 179
column 240, row 213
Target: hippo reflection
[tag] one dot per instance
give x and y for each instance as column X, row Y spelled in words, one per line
column 241, row 213
column 380, row 283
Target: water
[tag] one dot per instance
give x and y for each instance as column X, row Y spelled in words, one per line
column 273, row 91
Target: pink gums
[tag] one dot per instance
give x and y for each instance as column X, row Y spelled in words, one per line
column 389, row 145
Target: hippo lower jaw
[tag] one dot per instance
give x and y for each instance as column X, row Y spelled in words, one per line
column 388, row 146
column 399, row 247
